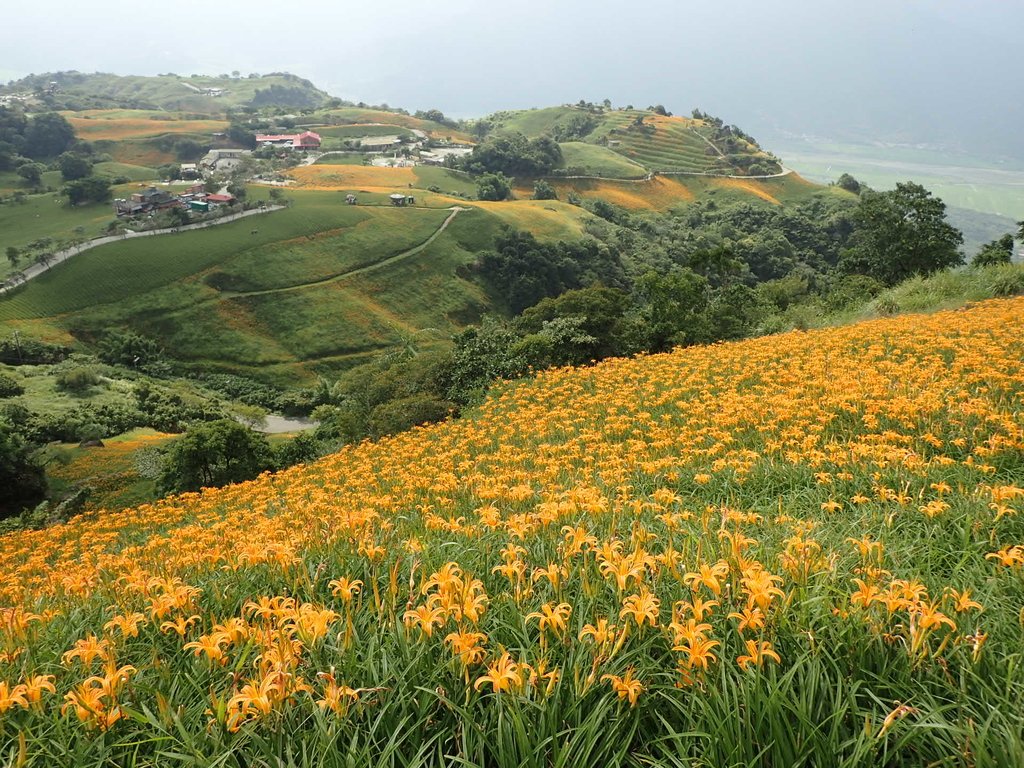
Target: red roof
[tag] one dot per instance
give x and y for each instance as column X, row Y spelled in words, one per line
column 304, row 139
column 219, row 198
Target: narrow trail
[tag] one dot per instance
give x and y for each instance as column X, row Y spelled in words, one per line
column 455, row 211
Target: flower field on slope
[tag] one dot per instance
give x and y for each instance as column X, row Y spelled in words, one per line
column 805, row 549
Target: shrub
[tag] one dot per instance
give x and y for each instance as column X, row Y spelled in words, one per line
column 9, row 386
column 1008, row 282
column 215, row 454
column 77, row 379
column 398, row 415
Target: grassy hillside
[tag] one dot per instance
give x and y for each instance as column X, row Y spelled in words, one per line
column 118, row 125
column 81, row 91
column 614, row 565
column 364, row 116
column 285, row 301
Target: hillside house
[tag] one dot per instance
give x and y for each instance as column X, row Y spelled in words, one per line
column 218, row 199
column 223, row 159
column 147, row 201
column 400, row 199
column 379, row 143
column 306, row 140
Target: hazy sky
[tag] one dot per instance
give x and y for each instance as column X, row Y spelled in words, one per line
column 926, row 71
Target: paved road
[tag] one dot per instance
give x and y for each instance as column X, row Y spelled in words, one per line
column 61, row 256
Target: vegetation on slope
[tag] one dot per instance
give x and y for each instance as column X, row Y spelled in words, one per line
column 616, row 564
column 190, row 93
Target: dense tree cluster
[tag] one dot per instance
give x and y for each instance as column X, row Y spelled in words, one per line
column 901, row 233
column 515, row 155
column 41, row 136
column 522, row 270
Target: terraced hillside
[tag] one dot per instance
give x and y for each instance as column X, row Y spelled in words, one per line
column 806, row 549
column 657, row 143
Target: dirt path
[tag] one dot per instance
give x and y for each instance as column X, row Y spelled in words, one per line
column 61, row 256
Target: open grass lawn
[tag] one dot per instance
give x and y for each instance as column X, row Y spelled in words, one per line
column 535, row 122
column 799, row 550
column 48, row 215
column 592, row 160
column 342, row 158
column 142, row 152
column 446, row 180
column 364, row 116
column 132, row 172
column 358, row 131
column 546, row 219
column 364, row 236
column 112, row 273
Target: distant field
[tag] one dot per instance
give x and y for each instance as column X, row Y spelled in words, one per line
column 672, row 145
column 445, row 179
column 132, row 172
column 351, row 177
column 547, row 219
column 110, row 473
column 137, row 128
column 593, row 160
column 364, row 129
column 342, row 158
column 665, row 192
column 660, row 193
column 971, row 183
column 655, row 143
column 363, row 116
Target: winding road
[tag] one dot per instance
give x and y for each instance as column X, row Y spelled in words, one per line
column 61, row 256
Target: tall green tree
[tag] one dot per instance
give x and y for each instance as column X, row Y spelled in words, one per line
column 91, row 189
column 494, row 186
column 213, row 454
column 999, row 251
column 73, row 166
column 901, row 233
column 32, row 173
column 21, row 477
column 47, row 135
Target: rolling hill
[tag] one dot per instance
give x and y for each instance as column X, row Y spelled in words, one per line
column 323, row 286
column 773, row 551
column 193, row 93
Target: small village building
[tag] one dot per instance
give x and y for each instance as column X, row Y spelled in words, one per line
column 399, row 199
column 306, row 140
column 199, row 206
column 379, row 143
column 220, row 199
column 223, row 159
column 190, row 171
column 350, row 199
column 147, row 201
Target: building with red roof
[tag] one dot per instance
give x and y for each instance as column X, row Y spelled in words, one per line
column 304, row 140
